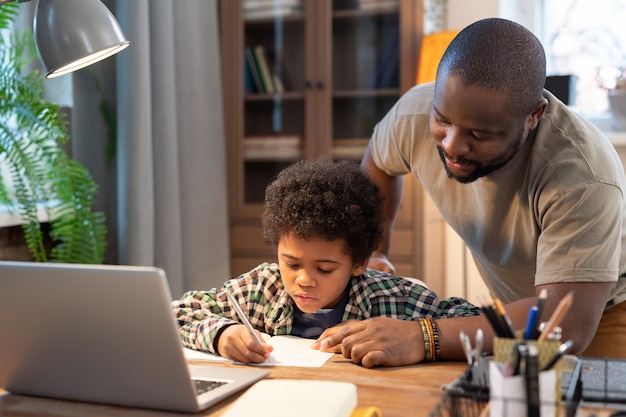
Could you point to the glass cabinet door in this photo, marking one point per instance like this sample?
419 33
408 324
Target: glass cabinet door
306 78
365 70
273 75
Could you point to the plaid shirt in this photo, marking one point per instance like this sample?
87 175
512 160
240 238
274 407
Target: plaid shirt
202 314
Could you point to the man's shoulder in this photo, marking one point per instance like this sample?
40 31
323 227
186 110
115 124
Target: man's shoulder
567 142
416 101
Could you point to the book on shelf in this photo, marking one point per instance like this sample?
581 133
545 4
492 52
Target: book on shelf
264 68
250 63
264 9
269 4
272 147
278 84
260 75
250 84
272 141
272 154
381 5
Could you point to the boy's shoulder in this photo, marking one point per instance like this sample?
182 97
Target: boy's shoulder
380 279
265 275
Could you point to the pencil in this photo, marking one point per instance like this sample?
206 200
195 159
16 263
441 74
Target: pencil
243 318
504 317
493 319
558 355
558 315
543 294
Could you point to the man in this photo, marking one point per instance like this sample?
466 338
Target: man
535 191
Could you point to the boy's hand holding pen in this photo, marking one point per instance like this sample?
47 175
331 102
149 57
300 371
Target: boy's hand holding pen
235 344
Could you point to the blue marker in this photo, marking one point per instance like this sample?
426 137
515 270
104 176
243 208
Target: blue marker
531 323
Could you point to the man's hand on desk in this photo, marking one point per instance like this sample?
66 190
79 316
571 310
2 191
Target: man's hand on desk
373 342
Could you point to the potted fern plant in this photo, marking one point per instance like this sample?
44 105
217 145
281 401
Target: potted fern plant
35 167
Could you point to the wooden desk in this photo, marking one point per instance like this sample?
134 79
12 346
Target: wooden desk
398 392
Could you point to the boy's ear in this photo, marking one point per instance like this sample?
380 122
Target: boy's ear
359 269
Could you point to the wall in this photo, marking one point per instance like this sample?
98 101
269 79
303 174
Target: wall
462 12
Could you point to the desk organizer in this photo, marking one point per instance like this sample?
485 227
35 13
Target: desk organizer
464 398
602 380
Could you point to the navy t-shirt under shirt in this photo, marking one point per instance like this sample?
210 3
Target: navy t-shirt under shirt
311 325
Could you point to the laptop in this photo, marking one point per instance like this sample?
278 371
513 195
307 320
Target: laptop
103 334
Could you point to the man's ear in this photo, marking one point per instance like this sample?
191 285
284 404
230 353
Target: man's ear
533 118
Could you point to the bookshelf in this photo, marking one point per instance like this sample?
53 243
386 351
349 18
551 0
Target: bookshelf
305 78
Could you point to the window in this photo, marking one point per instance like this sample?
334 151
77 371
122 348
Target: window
586 38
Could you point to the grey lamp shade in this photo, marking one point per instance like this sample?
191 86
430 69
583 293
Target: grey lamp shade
72 34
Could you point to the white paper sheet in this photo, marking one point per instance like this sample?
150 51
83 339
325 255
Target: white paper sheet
288 351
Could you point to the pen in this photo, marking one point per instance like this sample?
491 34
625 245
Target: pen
531 367
559 353
243 318
558 315
505 319
543 294
531 323
492 317
494 321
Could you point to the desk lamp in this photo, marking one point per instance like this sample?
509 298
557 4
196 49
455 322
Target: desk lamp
72 34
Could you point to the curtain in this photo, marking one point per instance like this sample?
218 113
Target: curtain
165 193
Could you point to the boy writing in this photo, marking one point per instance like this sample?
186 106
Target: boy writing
325 219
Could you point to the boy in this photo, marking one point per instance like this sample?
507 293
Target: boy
325 219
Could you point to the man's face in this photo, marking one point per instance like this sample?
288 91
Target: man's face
473 129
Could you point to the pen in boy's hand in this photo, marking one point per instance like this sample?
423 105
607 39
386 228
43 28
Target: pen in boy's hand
243 318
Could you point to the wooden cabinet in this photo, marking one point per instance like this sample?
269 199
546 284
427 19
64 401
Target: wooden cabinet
337 67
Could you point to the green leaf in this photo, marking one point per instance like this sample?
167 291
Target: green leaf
32 137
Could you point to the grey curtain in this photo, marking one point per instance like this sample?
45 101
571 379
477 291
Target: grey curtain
165 194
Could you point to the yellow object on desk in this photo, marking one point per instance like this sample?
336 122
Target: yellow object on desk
367 412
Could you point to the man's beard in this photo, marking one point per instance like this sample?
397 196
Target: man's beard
481 170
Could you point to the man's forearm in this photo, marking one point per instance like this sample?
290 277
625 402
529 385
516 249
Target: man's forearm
391 190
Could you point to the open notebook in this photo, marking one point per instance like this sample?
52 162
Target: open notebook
103 334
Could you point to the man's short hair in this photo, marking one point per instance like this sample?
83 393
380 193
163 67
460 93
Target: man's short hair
501 55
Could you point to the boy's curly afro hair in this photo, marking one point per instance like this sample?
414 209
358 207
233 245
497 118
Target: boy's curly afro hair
325 200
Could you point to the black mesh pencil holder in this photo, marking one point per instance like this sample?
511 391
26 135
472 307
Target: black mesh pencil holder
466 396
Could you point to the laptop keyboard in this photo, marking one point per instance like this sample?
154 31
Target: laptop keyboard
202 385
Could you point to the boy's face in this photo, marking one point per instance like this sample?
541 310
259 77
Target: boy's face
315 272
